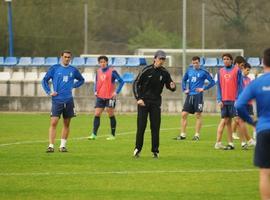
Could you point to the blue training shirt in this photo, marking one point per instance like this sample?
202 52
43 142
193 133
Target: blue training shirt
196 78
259 90
115 76
63 81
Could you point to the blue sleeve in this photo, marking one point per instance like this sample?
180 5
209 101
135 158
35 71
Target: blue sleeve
239 83
219 97
119 79
80 79
45 80
184 81
242 102
211 81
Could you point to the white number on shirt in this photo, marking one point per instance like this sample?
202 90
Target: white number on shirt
65 78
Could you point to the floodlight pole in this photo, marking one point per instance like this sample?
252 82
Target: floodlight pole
184 43
10 31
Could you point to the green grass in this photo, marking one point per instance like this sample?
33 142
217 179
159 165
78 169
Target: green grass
106 170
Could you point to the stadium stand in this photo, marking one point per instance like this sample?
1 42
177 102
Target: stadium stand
128 77
92 62
211 62
78 61
119 61
31 76
133 62
25 61
4 76
220 62
1 61
88 77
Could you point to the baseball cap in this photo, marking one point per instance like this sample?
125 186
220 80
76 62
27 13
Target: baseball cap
160 54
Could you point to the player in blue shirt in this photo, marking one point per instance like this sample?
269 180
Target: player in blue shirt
259 90
62 76
195 76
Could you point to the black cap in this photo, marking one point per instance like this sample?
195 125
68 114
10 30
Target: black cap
160 54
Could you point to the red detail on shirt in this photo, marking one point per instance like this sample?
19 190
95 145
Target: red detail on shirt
228 84
105 88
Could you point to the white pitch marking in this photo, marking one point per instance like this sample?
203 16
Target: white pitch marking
82 138
130 172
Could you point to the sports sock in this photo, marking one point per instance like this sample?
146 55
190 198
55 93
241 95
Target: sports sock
183 134
113 125
230 143
63 143
96 124
51 145
197 134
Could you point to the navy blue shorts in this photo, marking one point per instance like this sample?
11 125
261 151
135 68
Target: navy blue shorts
102 103
228 111
67 109
193 103
262 149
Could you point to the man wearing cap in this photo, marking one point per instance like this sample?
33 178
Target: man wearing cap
147 89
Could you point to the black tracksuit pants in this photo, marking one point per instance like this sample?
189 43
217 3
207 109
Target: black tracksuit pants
154 114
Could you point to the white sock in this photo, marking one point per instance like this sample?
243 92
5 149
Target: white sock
63 143
243 143
197 134
230 143
51 145
183 134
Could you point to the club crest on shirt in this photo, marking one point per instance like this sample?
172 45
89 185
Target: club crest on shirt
160 78
227 76
70 74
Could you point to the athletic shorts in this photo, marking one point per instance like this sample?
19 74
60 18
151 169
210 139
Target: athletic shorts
228 111
262 149
193 103
65 109
102 103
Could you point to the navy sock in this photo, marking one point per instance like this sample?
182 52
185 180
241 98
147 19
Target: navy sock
113 125
96 124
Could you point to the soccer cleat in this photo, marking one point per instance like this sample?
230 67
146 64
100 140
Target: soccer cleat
196 138
244 146
136 153
219 146
155 155
251 143
92 137
111 137
229 147
50 150
63 149
179 137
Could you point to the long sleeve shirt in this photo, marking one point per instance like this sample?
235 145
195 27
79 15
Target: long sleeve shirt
63 81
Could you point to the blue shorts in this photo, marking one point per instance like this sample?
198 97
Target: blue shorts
67 109
102 103
193 103
228 111
262 149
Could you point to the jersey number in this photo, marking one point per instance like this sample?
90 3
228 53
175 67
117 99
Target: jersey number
65 78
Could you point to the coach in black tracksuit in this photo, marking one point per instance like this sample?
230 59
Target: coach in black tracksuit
147 90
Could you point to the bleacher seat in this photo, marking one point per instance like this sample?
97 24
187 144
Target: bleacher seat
38 61
78 61
25 61
254 61
133 62
1 60
128 77
91 61
88 77
119 61
5 76
17 76
143 61
31 76
220 62
202 60
211 62
110 61
10 61
49 61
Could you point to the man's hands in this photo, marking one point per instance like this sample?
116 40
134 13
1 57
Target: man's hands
140 102
53 94
172 85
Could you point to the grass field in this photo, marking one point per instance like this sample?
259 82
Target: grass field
105 170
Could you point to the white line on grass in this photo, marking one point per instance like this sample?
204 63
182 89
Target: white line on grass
83 138
130 172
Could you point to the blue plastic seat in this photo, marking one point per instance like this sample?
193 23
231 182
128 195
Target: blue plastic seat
254 61
1 60
128 77
78 61
202 60
110 61
49 61
133 62
10 61
38 61
211 62
220 62
119 61
91 61
143 61
25 61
